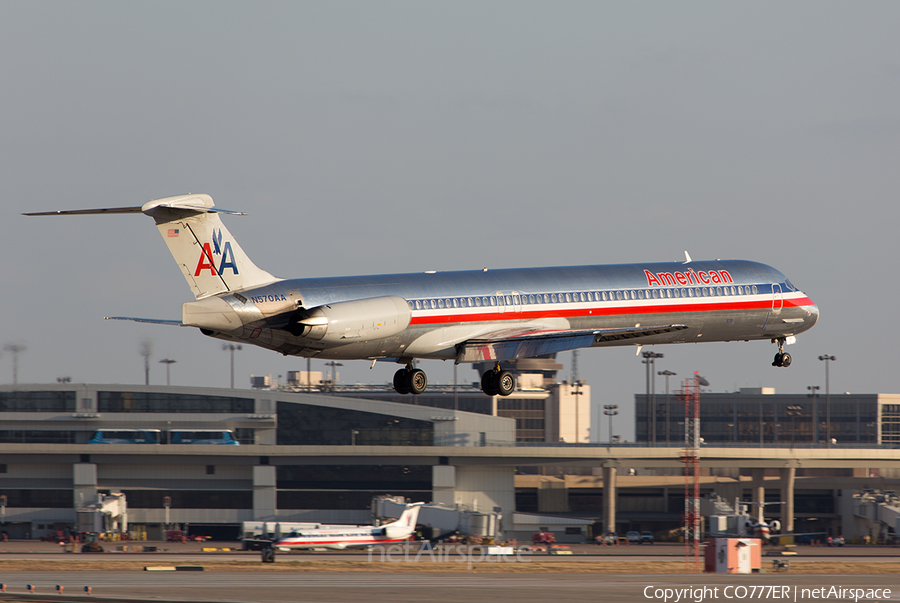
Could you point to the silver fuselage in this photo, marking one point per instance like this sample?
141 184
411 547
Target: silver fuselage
716 300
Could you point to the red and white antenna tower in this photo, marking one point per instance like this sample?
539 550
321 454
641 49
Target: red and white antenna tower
690 395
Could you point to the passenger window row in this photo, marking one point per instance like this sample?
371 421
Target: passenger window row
580 296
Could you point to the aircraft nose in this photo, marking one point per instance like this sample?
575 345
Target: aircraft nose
813 317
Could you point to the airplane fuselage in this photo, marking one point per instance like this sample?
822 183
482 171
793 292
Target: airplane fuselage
727 300
337 539
473 316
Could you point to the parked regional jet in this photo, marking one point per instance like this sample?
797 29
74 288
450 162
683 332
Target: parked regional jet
343 537
758 527
474 316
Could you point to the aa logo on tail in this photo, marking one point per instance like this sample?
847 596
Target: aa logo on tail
208 262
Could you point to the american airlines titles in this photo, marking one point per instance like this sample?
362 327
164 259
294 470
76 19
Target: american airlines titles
673 279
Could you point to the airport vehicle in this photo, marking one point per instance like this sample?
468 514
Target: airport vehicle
344 537
157 436
126 436
202 436
646 537
633 537
608 538
471 316
91 543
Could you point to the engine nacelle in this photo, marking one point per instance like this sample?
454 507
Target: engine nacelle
775 525
393 532
362 319
748 524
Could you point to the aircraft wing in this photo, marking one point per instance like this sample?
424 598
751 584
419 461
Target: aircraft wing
510 344
154 321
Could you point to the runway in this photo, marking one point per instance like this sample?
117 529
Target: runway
251 587
325 577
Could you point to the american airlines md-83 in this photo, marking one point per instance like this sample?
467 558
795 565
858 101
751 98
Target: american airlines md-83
472 316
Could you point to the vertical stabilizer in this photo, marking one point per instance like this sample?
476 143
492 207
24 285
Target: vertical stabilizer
409 517
210 259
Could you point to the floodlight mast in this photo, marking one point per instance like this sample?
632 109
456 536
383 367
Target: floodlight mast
828 358
230 347
16 349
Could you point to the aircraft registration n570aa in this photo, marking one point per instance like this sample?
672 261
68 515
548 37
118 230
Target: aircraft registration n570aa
470 316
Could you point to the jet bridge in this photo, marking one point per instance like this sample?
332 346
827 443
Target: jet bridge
441 520
109 513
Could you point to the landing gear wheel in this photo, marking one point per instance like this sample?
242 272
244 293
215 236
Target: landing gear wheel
268 555
416 381
782 359
506 383
488 384
401 381
498 383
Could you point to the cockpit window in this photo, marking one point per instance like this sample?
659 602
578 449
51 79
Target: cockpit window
790 285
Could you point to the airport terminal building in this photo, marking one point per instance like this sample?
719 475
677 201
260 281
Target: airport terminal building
323 457
762 417
291 464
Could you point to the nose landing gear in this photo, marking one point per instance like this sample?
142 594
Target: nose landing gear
782 358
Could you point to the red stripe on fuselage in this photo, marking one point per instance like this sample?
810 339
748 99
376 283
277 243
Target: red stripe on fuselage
347 542
592 311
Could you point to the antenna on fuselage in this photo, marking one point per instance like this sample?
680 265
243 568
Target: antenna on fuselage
687 257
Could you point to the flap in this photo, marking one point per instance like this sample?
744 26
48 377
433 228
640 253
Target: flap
510 344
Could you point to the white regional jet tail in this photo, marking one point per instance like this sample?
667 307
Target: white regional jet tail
210 259
406 525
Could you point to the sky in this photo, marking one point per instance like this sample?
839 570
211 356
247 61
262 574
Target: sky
393 137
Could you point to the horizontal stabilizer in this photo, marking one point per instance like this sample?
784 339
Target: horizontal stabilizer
511 345
85 212
189 205
209 258
153 321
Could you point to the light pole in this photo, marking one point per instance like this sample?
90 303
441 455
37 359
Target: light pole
146 351
167 362
16 349
576 395
827 358
333 366
813 393
667 373
231 348
649 358
610 411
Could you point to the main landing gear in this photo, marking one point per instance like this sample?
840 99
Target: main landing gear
410 380
782 358
497 382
